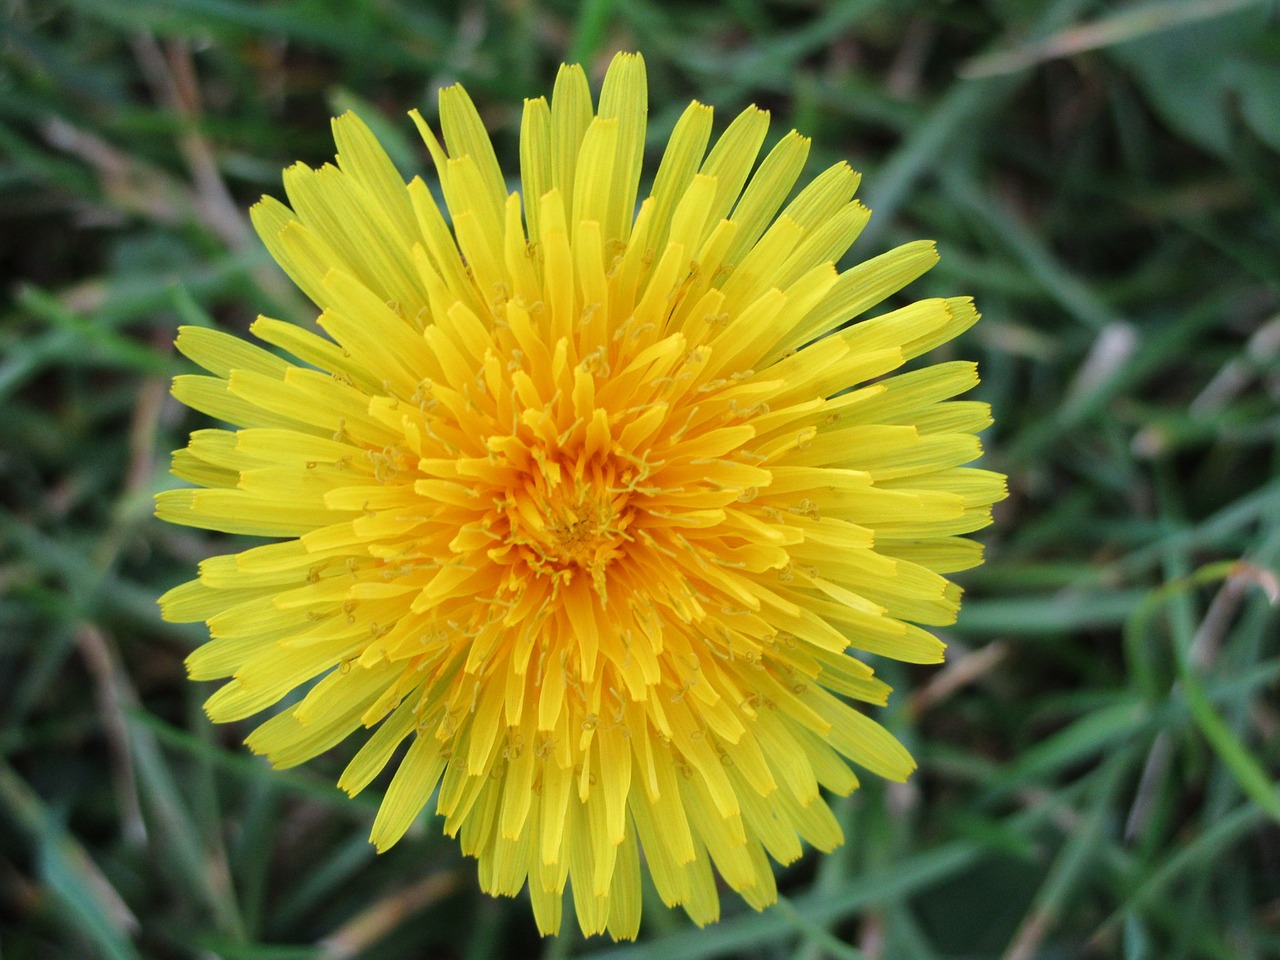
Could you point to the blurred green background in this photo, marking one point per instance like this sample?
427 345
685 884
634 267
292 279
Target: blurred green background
1098 756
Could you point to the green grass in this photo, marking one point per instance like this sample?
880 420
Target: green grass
1098 759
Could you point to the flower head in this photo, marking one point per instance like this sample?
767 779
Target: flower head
586 511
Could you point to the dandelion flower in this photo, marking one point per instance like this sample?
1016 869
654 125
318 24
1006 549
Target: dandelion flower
588 512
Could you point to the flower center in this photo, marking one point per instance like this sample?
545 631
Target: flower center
571 519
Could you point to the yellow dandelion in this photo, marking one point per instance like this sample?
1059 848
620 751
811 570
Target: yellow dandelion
590 509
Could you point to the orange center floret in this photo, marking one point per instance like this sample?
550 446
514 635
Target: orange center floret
570 517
